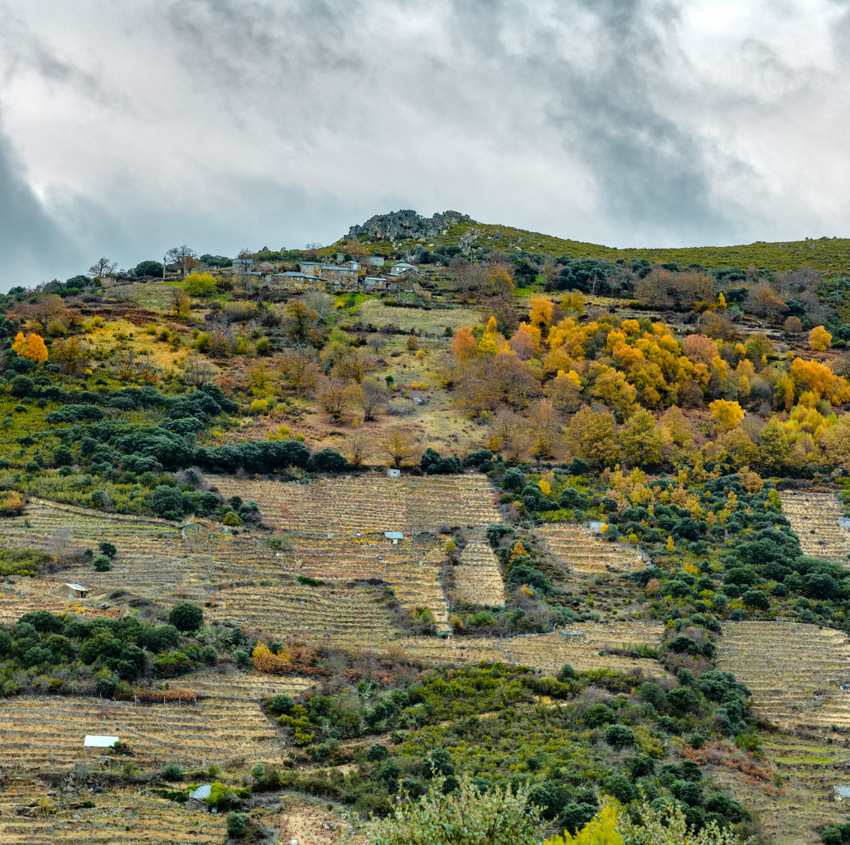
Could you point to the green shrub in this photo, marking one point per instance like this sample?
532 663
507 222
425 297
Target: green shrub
167 502
102 563
281 704
376 753
329 460
619 737
237 824
171 772
186 616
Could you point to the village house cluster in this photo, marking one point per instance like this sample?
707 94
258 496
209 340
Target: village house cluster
318 275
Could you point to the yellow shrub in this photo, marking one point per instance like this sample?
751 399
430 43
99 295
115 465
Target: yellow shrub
265 660
259 406
199 284
600 830
11 504
518 550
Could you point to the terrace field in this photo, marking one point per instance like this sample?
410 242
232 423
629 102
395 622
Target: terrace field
795 672
814 516
222 441
46 734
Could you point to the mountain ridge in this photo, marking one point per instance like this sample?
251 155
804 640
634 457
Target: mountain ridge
405 229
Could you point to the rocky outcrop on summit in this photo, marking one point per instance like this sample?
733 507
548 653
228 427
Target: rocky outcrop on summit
407 224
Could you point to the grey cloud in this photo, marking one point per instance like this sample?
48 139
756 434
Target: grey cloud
288 121
23 51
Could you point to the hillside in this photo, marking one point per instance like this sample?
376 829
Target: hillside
319 533
402 231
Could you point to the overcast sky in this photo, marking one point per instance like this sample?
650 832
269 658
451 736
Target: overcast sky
130 127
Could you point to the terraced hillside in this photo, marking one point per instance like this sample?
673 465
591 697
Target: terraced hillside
581 552
814 516
46 734
795 671
370 503
118 818
796 812
478 579
155 560
345 613
152 559
583 646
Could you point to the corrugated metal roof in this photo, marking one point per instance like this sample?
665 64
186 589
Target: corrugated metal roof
202 792
843 791
95 741
394 535
76 587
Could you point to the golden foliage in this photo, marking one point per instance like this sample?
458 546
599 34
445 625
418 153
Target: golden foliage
265 660
728 414
819 339
32 347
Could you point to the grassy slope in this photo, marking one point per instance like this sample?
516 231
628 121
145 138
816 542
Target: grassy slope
821 254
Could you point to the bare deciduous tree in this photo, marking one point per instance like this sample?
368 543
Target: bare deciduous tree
197 370
334 395
372 398
359 447
401 445
183 256
102 267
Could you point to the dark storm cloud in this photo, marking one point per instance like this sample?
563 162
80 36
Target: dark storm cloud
31 243
647 166
607 111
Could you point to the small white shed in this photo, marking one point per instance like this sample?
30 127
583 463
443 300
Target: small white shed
393 473
96 741
395 536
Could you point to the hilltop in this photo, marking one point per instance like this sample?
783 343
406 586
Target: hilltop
404 230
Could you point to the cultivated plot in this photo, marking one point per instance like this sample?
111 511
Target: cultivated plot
815 518
796 672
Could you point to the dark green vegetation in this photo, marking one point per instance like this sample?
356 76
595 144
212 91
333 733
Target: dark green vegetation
572 739
44 653
725 549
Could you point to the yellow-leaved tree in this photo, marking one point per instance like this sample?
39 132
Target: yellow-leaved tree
32 347
819 339
728 414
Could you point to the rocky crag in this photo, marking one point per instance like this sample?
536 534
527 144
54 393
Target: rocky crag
398 225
